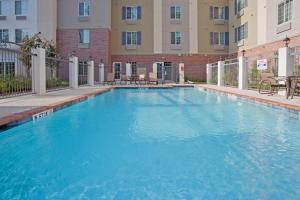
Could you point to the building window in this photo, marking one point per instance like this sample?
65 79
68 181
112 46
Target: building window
175 12
3 7
219 12
84 36
20 35
82 68
84 8
219 38
131 12
241 32
239 5
7 68
285 11
176 38
131 38
4 36
20 7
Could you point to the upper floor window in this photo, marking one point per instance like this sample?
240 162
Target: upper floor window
219 12
239 5
84 36
20 35
176 38
84 8
241 32
4 7
175 12
285 11
219 38
131 38
20 7
4 36
131 12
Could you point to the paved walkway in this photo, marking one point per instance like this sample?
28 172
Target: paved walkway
277 100
16 108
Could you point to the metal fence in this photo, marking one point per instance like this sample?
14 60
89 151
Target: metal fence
231 72
214 79
53 63
255 75
83 73
15 71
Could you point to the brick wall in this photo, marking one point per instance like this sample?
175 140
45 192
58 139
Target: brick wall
99 48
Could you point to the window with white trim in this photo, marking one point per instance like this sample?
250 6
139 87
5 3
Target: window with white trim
4 35
241 32
21 7
175 12
285 11
131 38
4 7
20 35
133 68
219 38
131 13
84 36
84 8
240 5
176 38
82 68
219 12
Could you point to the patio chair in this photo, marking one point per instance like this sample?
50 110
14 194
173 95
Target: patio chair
110 79
124 79
295 86
142 75
153 78
271 84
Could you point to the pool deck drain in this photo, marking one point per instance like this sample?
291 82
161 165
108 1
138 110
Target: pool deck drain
17 110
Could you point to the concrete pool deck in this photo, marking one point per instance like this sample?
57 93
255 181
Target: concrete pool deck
275 100
17 110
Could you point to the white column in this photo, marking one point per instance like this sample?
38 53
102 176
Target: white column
154 68
101 73
286 62
128 69
181 73
208 73
243 73
73 72
91 73
221 73
39 71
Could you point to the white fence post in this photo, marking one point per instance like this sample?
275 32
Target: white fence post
39 71
221 73
181 73
91 73
208 73
73 72
286 62
243 73
101 73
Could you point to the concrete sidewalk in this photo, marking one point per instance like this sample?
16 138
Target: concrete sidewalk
276 100
16 108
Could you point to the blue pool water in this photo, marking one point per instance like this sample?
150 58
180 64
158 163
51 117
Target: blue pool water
154 144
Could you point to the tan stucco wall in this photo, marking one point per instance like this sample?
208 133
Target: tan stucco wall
47 18
168 27
250 16
68 18
205 26
145 25
272 23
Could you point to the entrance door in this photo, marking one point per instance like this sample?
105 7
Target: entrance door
168 71
159 71
117 70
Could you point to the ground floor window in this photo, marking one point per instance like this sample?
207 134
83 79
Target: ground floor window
133 68
7 68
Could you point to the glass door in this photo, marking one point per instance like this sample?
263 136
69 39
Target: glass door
117 71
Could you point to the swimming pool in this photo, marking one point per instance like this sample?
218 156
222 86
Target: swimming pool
154 144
